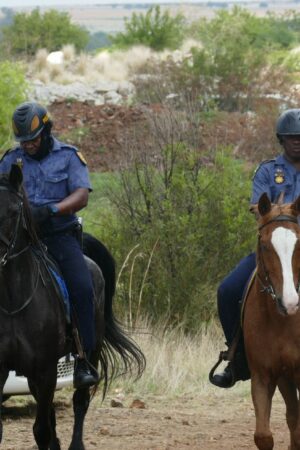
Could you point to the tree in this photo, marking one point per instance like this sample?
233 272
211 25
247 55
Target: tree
154 29
235 48
50 30
12 92
182 220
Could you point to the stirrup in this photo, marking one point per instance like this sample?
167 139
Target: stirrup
223 356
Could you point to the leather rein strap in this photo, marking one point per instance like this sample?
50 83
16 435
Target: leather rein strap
281 218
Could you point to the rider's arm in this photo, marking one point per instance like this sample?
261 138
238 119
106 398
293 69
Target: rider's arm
261 183
74 202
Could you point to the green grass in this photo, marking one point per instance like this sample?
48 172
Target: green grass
100 212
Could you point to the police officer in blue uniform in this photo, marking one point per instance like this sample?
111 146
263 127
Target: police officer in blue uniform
273 177
57 184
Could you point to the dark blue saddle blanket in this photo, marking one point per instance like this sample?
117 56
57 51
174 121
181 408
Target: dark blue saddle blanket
57 278
63 290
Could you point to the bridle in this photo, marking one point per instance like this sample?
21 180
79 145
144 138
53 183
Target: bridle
11 254
267 285
11 243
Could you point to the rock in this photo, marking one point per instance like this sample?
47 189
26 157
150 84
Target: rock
126 88
116 403
113 98
55 58
51 92
105 86
137 403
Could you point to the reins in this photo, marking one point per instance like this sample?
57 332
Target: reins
11 243
28 301
10 246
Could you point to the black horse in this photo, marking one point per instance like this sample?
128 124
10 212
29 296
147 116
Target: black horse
33 320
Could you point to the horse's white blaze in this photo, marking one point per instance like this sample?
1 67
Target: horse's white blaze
284 241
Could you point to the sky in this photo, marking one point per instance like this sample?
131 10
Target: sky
49 3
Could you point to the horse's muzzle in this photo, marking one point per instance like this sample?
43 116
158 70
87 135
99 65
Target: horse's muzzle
288 310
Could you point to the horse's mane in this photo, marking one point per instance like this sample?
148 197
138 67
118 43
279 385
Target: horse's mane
28 219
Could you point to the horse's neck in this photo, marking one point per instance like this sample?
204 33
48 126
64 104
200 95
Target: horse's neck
18 279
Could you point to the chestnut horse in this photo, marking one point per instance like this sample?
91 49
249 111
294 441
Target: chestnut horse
272 319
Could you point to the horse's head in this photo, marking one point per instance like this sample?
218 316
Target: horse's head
278 253
12 221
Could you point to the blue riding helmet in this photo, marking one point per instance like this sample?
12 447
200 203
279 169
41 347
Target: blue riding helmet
288 123
28 121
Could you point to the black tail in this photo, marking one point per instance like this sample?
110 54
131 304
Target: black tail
115 339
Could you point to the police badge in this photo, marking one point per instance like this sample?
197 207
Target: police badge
279 176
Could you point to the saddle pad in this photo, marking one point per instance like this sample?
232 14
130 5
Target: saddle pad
58 281
63 290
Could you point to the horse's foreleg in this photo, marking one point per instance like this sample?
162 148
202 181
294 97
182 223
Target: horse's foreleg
44 425
81 401
3 378
262 393
289 393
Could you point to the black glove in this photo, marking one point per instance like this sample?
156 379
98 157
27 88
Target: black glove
40 214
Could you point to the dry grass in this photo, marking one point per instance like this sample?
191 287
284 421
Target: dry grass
177 363
116 66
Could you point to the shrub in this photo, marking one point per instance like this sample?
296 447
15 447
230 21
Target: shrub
154 29
51 30
182 223
12 92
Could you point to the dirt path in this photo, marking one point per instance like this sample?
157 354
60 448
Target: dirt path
213 421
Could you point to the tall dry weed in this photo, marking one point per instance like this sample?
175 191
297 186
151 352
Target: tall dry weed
177 363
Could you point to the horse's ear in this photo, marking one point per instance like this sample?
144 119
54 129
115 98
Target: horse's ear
15 176
296 205
264 204
280 198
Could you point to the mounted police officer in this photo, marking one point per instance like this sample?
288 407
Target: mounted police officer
273 177
57 184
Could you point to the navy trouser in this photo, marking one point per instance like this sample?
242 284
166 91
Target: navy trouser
66 251
230 293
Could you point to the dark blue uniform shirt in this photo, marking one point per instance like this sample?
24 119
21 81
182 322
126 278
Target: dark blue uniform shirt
275 176
51 179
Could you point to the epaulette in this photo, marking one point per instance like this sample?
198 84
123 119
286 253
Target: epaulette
5 153
266 161
77 152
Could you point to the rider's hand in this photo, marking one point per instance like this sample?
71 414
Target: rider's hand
40 214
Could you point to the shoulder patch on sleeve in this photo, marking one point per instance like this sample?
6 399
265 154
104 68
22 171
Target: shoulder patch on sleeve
77 153
266 161
81 157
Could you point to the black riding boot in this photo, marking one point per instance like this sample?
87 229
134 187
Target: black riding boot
85 375
236 370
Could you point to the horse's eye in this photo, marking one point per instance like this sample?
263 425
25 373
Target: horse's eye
265 247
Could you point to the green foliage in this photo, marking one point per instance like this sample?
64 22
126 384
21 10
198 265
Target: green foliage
270 31
155 29
98 40
12 92
180 229
232 58
240 60
51 30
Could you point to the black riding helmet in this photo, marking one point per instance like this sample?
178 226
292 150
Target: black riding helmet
288 123
28 120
